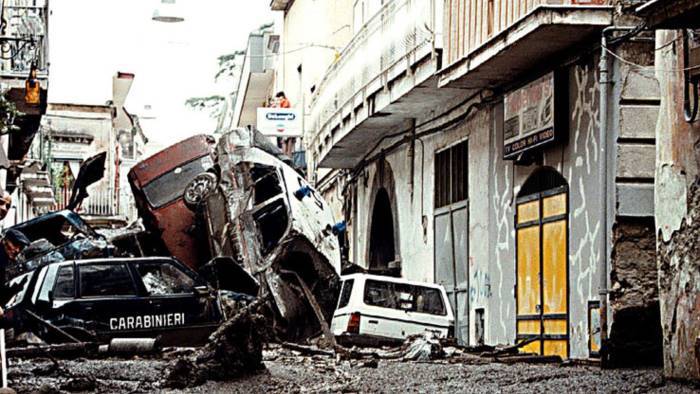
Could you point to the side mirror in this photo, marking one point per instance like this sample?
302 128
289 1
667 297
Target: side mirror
201 291
51 297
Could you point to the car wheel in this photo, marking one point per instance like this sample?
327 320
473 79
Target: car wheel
198 189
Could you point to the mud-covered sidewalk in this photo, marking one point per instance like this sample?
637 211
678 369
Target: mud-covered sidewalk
289 371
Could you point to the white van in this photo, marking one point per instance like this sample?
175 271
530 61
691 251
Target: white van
380 309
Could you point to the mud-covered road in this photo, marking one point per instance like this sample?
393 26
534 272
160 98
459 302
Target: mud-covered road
290 372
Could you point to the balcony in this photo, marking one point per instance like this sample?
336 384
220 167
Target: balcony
493 42
383 79
257 72
661 14
25 40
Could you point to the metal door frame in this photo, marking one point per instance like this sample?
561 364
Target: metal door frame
455 290
540 223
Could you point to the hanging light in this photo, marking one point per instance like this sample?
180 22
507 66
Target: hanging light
167 11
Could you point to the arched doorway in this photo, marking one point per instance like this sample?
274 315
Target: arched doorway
381 239
383 231
541 266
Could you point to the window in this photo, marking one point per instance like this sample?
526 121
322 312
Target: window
272 221
165 279
65 283
47 284
267 183
404 297
105 280
170 186
345 293
451 175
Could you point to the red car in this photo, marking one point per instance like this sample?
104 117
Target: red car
158 184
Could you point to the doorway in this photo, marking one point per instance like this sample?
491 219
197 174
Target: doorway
381 240
542 272
451 231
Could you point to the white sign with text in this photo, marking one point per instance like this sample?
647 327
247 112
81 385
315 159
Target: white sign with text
280 122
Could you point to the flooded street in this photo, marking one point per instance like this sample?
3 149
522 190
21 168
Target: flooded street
287 372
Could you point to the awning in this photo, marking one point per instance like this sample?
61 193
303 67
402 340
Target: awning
664 14
526 45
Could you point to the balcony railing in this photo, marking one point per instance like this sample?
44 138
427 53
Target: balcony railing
401 30
471 23
100 202
25 38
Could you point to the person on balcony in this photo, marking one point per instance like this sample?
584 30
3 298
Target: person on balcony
282 101
286 144
32 88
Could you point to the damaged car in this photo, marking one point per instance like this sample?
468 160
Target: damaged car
100 299
64 235
158 184
375 309
268 231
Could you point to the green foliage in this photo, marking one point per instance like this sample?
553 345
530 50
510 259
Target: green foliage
212 104
229 64
8 113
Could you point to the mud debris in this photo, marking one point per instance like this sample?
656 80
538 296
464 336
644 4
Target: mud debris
233 350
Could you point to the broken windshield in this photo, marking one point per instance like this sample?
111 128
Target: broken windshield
164 279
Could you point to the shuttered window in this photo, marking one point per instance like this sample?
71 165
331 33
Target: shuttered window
451 175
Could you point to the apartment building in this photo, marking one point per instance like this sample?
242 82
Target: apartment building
504 149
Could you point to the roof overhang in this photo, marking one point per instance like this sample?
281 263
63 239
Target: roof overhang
543 33
664 14
256 93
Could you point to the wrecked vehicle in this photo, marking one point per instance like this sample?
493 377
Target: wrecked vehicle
64 235
59 236
101 299
269 232
378 309
158 183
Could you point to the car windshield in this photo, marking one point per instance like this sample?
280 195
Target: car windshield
17 298
170 186
405 297
164 279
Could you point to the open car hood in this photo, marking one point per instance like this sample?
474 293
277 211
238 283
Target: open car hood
91 171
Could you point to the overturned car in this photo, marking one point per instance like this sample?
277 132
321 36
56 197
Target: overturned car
269 232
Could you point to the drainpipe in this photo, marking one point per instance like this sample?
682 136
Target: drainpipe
604 82
411 156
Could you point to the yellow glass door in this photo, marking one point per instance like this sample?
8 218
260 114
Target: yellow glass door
542 272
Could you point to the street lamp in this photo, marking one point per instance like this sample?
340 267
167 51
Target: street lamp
167 12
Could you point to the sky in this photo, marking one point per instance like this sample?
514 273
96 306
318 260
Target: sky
90 40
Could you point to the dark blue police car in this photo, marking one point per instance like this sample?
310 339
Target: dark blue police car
101 299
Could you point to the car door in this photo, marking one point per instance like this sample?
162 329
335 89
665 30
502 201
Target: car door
176 295
107 299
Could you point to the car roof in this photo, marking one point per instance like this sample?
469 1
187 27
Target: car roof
109 260
67 214
390 279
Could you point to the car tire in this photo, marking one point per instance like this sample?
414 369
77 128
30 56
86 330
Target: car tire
198 189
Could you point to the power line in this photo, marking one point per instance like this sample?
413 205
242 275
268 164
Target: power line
631 63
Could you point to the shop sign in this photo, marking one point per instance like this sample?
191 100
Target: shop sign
279 122
529 117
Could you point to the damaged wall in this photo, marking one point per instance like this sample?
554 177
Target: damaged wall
633 280
677 202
